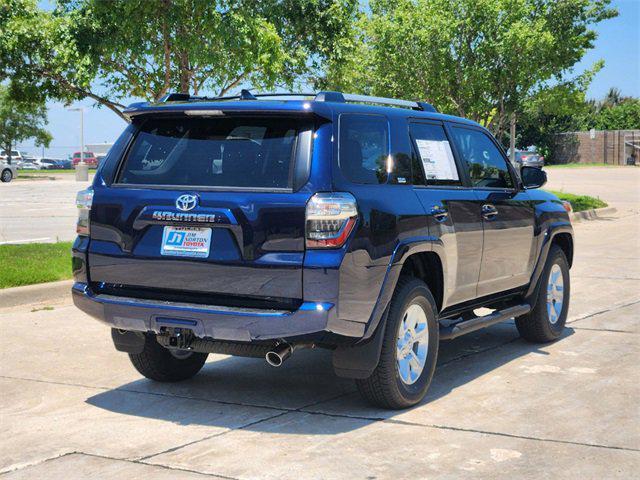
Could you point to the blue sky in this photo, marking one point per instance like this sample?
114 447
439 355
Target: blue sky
618 44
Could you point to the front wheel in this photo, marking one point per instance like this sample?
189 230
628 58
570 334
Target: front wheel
409 349
164 365
546 321
6 175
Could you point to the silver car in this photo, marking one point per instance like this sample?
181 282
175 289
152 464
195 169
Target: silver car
7 172
529 159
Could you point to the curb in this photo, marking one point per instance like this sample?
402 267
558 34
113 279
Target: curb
593 214
41 292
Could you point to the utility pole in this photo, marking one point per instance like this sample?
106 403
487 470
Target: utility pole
82 170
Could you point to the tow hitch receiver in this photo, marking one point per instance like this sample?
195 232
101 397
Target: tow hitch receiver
175 337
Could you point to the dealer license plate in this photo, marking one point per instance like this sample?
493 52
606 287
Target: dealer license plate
186 242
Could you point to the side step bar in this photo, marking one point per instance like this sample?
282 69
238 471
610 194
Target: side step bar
467 326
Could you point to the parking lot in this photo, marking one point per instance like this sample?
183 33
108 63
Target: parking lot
39 210
72 407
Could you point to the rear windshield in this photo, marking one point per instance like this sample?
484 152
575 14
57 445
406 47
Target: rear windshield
213 152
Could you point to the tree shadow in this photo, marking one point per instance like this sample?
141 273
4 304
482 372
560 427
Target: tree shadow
229 388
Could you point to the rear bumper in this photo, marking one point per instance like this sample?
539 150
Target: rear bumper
211 321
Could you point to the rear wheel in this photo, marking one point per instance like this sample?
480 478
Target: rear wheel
546 321
409 349
164 365
6 175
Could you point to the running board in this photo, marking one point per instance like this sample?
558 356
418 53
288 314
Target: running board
467 326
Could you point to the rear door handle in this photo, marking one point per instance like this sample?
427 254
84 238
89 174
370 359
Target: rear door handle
489 211
439 212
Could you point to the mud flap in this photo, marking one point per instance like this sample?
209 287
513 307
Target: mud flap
360 360
126 341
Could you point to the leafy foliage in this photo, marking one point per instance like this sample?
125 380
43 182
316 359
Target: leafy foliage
481 59
21 120
110 50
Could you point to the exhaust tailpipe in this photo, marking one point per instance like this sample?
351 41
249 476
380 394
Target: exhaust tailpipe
279 354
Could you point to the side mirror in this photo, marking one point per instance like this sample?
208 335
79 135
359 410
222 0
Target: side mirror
533 177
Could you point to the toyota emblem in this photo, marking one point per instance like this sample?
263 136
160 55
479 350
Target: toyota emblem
186 202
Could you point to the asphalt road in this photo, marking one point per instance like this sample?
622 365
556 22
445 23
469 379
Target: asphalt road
72 407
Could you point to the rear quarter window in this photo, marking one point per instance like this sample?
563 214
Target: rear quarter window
364 148
213 152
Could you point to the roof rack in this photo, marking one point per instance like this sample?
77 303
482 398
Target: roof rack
352 97
325 96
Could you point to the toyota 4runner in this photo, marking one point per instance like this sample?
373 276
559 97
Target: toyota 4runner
260 225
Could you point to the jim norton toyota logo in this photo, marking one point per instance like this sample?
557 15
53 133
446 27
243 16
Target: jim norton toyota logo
186 202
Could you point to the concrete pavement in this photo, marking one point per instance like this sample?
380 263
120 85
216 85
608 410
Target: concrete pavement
618 186
72 407
42 211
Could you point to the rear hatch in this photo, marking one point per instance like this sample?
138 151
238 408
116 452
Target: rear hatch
206 210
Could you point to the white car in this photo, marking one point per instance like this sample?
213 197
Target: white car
27 165
16 156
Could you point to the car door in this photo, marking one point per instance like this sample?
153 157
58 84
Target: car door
452 210
507 212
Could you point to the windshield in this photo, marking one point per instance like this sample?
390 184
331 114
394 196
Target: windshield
225 152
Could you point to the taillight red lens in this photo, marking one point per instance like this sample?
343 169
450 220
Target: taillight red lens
330 218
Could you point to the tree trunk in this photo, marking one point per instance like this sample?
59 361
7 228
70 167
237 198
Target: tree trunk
7 150
167 49
512 138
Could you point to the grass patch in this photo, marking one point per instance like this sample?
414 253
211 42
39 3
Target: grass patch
34 263
580 202
581 165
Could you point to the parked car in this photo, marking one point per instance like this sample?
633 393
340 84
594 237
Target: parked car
7 172
27 164
51 163
529 159
16 156
65 164
89 158
258 227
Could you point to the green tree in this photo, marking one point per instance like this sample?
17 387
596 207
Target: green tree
482 59
20 121
110 50
624 115
554 110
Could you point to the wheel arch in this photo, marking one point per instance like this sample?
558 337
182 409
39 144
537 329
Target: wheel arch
564 240
426 266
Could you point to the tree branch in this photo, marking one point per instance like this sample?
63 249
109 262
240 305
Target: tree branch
113 106
233 84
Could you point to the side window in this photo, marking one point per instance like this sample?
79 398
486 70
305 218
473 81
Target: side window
435 165
486 166
364 148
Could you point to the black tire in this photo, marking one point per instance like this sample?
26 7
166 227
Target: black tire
157 363
6 176
385 387
537 326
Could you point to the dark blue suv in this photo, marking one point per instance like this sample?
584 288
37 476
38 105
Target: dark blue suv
259 225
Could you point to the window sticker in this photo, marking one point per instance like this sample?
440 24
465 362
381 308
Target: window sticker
437 158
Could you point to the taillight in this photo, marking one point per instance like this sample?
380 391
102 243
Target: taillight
330 218
84 199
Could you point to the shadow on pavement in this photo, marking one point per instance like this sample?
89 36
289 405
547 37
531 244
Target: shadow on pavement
305 381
